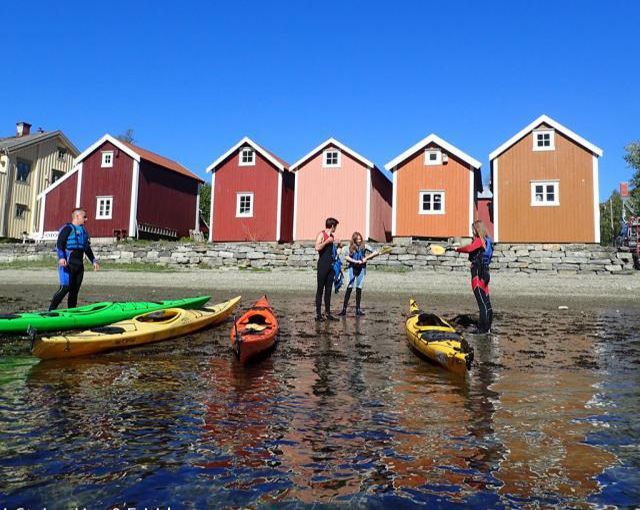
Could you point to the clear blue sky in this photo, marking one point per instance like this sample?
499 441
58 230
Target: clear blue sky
192 79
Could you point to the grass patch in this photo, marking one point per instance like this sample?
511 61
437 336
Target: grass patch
255 269
390 269
104 266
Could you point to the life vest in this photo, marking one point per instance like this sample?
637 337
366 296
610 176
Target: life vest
78 237
338 278
358 254
487 255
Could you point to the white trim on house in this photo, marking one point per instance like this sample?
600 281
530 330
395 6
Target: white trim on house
555 183
79 186
239 196
279 210
544 119
542 148
43 204
433 193
342 147
367 208
108 199
433 138
295 205
106 160
252 160
59 181
325 158
133 211
112 140
471 199
432 162
394 202
197 224
213 194
496 210
596 200
249 141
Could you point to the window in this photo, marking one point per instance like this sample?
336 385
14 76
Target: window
23 170
545 193
431 202
21 211
244 205
544 140
107 159
247 157
331 158
104 208
62 152
55 175
433 157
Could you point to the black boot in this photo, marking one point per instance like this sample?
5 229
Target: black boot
358 301
347 295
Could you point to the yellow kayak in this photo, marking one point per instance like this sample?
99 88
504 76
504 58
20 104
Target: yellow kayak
142 329
436 339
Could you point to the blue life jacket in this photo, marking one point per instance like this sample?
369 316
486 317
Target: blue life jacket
357 255
488 251
338 279
78 237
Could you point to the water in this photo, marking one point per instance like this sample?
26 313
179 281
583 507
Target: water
340 414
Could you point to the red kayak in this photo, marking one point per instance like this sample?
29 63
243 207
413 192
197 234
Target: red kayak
254 332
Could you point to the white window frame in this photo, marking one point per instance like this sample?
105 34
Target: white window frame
437 161
552 139
326 164
422 193
105 163
239 197
247 163
104 217
556 185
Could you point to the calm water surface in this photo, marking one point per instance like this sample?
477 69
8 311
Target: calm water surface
341 414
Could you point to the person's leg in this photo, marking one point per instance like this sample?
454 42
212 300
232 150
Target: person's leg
320 288
359 286
482 309
328 286
487 279
76 274
63 277
347 296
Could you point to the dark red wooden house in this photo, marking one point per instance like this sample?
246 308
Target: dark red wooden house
127 191
252 193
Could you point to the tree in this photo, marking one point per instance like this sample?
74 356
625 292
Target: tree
632 157
127 136
205 201
610 216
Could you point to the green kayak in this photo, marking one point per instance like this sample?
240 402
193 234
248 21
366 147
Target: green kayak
97 314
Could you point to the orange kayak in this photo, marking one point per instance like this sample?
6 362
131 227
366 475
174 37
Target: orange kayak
254 332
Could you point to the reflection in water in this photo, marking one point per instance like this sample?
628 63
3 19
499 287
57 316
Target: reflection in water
340 412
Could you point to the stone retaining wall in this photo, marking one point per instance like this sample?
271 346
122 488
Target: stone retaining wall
529 258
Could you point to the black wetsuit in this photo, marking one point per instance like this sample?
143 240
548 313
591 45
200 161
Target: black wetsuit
326 276
71 276
480 279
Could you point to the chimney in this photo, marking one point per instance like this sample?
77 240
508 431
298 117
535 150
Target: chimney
624 189
22 129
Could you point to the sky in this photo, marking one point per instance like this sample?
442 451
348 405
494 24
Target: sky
192 78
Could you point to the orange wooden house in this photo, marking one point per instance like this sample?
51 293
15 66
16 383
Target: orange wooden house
434 190
544 181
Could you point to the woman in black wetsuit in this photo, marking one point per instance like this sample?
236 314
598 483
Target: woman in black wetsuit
480 276
324 246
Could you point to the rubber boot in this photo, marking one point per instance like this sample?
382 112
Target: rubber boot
347 296
358 301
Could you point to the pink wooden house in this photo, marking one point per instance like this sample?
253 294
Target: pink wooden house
335 181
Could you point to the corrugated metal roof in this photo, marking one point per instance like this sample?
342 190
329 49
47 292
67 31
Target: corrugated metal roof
12 142
161 161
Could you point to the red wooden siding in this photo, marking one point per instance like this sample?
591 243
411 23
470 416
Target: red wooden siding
380 215
99 182
231 179
166 199
286 213
60 201
484 214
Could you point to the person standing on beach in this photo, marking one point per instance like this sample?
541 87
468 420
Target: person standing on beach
357 255
480 251
72 245
325 242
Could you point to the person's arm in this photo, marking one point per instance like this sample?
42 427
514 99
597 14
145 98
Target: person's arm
321 242
61 245
372 253
476 244
89 253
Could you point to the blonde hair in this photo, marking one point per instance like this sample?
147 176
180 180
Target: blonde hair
480 230
352 245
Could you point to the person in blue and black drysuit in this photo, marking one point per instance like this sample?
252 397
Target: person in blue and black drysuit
73 244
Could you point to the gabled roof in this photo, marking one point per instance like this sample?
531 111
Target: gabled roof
433 138
544 119
279 163
138 153
336 143
13 143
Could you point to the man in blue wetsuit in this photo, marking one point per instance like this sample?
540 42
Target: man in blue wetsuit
73 243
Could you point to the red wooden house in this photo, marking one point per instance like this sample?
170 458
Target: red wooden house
252 193
127 191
